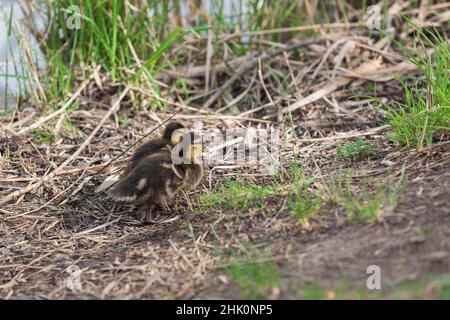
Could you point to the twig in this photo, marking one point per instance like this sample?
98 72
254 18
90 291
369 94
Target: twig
96 228
199 71
254 62
209 54
293 29
261 78
365 68
345 136
46 178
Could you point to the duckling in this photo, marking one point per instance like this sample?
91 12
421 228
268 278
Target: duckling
158 177
170 137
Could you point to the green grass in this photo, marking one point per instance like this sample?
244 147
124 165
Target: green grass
364 206
355 150
254 272
313 291
303 202
433 286
238 196
113 35
121 36
427 106
43 136
305 205
131 45
367 202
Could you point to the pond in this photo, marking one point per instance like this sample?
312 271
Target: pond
14 78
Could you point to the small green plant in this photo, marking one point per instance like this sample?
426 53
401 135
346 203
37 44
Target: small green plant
355 150
255 273
364 204
305 204
123 121
6 112
364 207
427 106
420 235
236 195
314 291
180 84
43 136
443 288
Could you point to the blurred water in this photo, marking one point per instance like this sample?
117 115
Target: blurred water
13 71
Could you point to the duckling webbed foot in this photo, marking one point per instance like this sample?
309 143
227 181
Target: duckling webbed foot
148 217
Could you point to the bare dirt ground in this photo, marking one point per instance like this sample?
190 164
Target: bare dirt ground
119 257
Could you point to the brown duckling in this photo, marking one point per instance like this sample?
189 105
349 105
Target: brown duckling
158 177
171 136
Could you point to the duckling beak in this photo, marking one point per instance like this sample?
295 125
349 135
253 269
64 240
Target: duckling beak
177 136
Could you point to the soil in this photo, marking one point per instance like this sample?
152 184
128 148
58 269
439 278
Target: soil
119 257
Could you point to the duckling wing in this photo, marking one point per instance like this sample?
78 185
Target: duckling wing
152 179
125 189
148 148
134 183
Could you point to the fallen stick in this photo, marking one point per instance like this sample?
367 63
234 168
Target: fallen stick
96 228
199 71
254 62
366 68
315 27
55 172
90 169
345 136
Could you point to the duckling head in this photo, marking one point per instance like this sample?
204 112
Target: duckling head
173 132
